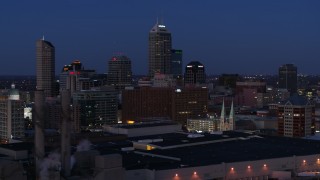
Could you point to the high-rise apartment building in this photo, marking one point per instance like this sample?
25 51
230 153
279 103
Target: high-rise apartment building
11 119
45 53
176 63
194 73
119 72
296 117
288 77
159 50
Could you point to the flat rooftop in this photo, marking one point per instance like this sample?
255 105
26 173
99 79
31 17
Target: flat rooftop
173 139
143 125
18 146
243 148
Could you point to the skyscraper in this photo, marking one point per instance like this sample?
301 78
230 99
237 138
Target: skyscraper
288 77
159 50
176 63
194 74
45 67
119 72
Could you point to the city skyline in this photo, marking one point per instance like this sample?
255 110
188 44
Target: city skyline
245 37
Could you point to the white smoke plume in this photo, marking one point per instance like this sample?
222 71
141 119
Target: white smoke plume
84 145
50 163
72 161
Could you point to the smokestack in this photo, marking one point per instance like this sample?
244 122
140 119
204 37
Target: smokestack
65 135
39 128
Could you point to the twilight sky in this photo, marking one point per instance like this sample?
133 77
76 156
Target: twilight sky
227 36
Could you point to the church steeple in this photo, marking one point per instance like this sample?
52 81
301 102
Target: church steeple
222 117
231 118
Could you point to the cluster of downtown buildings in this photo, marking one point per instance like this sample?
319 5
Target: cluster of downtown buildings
150 119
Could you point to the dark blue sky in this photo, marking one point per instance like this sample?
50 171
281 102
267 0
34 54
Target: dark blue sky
227 36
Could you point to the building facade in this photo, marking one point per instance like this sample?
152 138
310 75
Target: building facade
11 119
95 108
176 104
45 60
247 93
191 102
75 78
159 50
296 117
146 102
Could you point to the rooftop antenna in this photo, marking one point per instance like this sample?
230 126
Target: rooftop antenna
42 37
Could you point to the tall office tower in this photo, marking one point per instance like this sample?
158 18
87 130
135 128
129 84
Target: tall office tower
119 72
176 63
45 67
194 74
159 50
68 70
288 77
296 117
75 78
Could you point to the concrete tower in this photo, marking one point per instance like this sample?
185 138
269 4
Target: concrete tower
39 116
159 50
65 135
45 67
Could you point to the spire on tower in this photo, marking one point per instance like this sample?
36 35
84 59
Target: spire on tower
231 115
231 118
222 110
222 117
